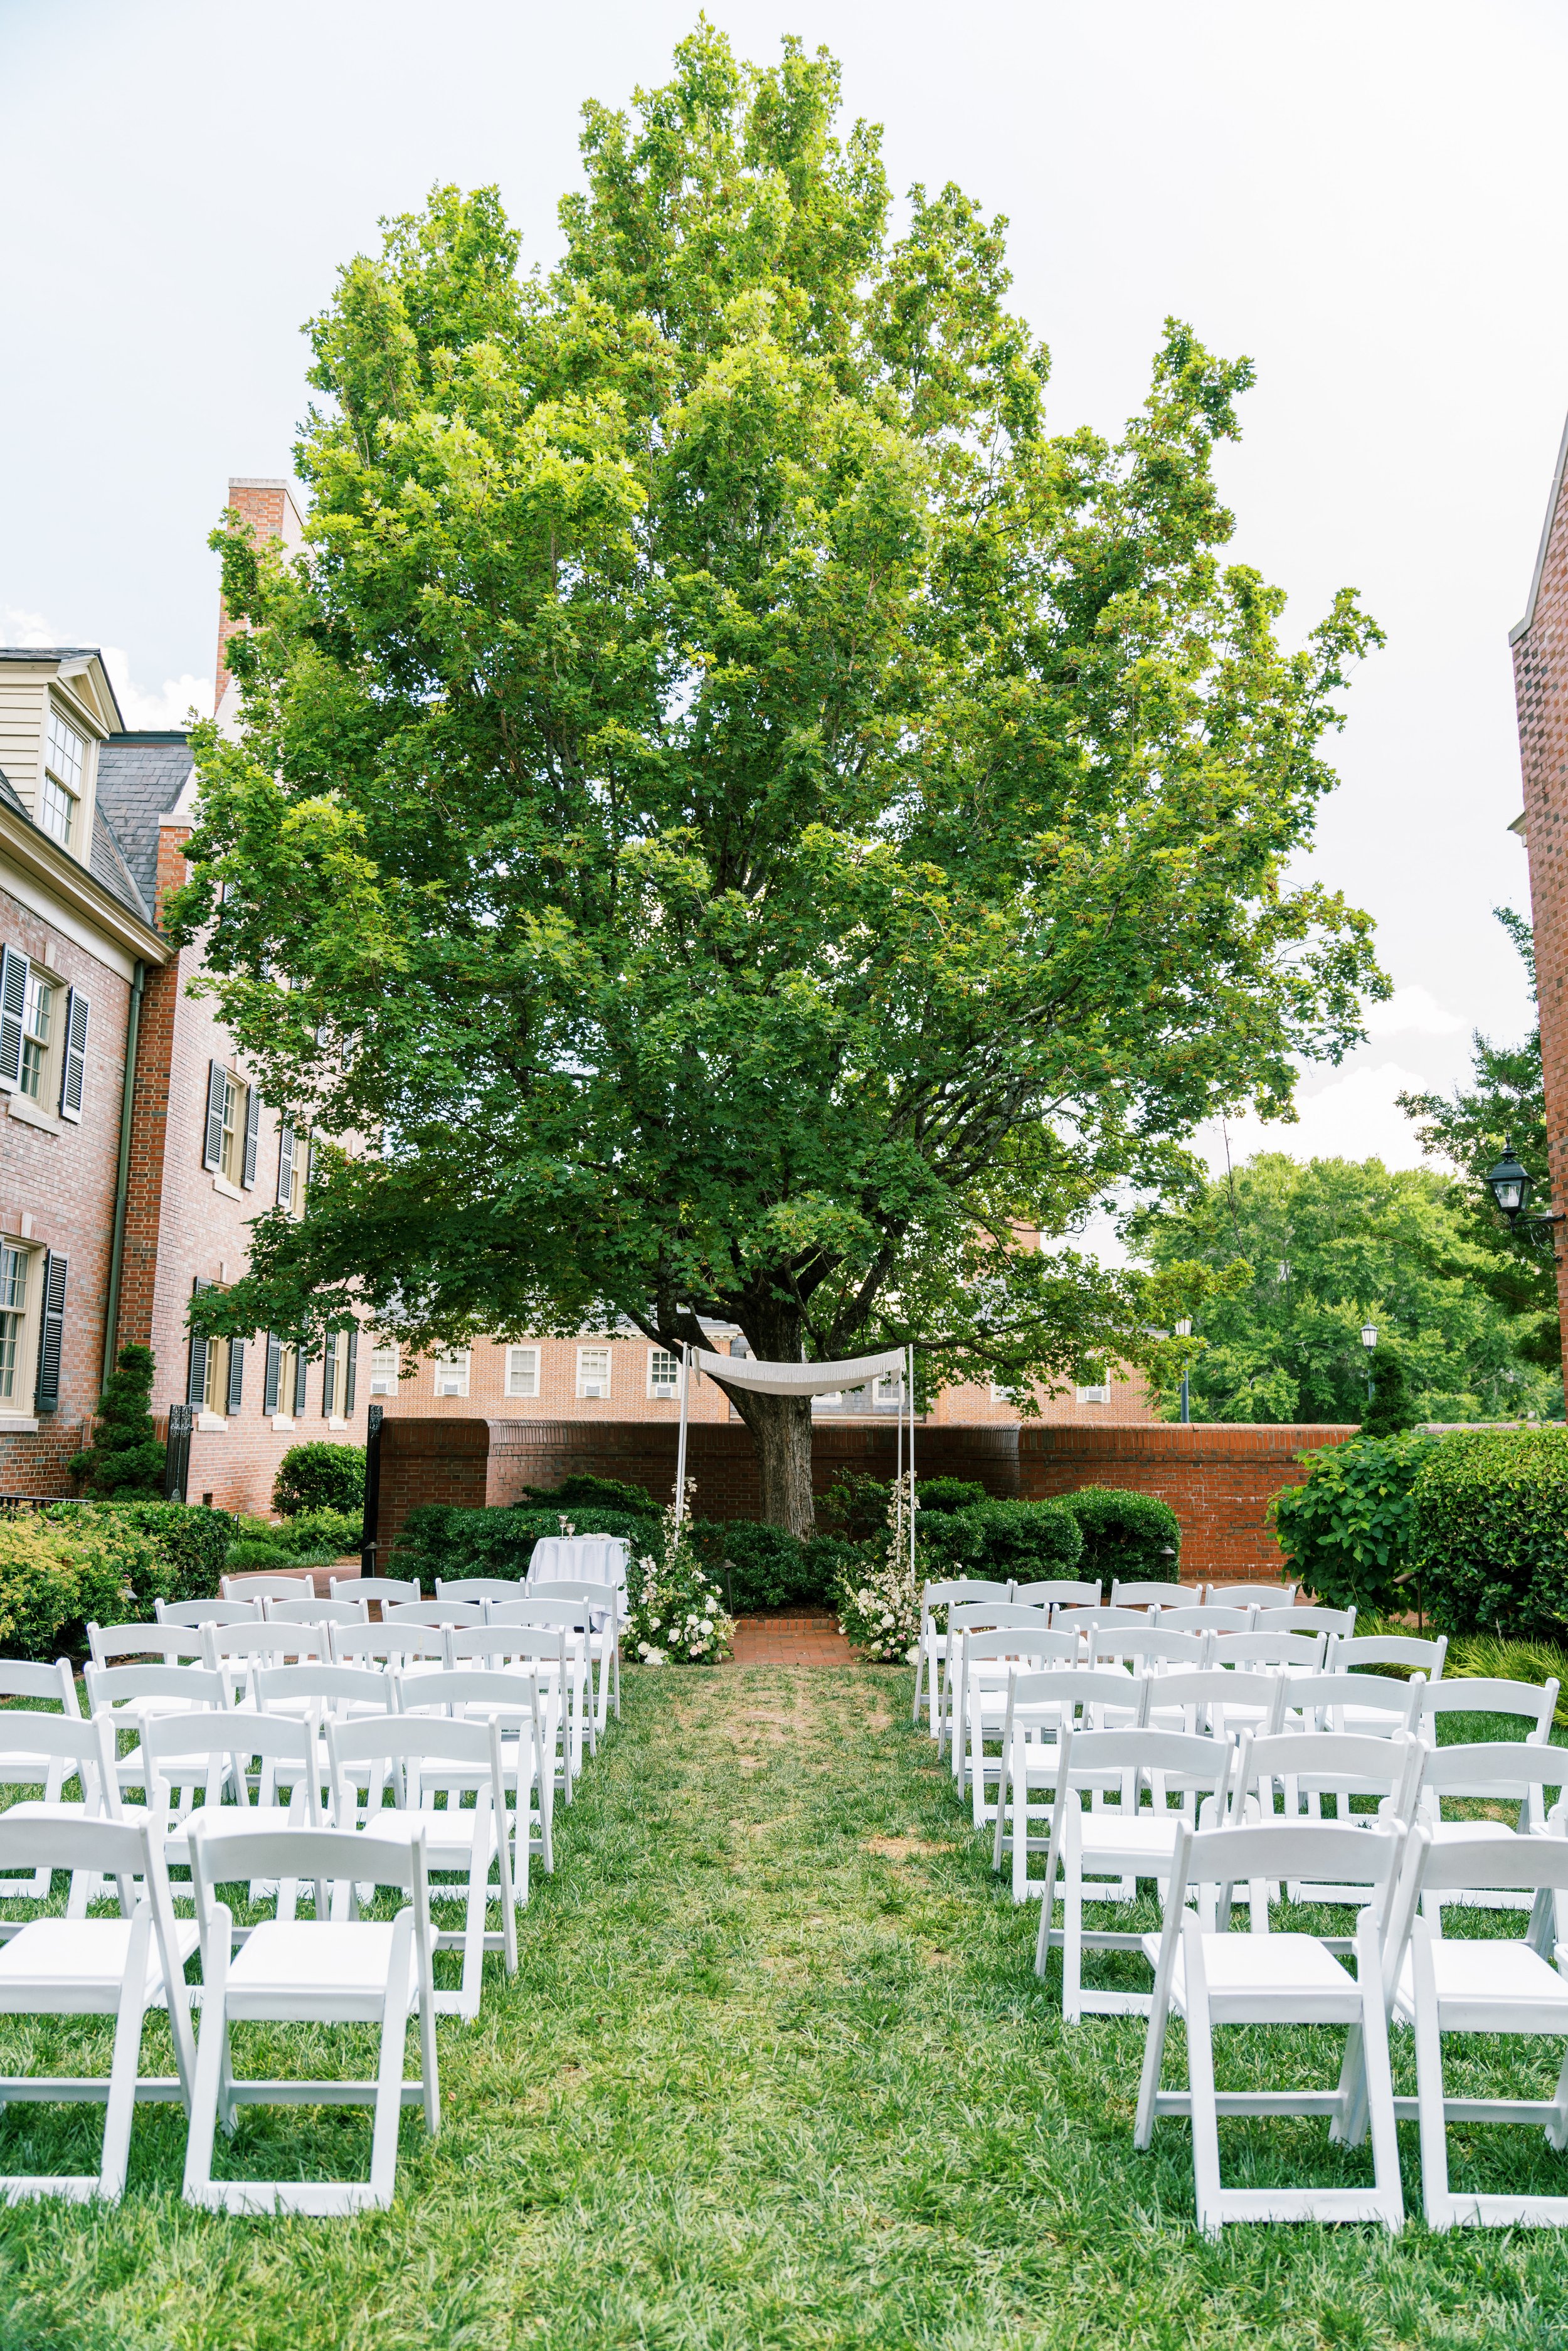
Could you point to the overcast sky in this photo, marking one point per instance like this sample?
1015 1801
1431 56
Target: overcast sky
1367 198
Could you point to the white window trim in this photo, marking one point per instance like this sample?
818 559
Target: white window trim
522 1394
584 1378
1098 1392
379 1379
459 1363
16 1412
668 1390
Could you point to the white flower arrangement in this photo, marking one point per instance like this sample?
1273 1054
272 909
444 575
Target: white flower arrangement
675 1598
879 1611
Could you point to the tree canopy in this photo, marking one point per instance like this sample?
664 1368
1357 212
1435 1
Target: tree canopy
1333 1244
732 817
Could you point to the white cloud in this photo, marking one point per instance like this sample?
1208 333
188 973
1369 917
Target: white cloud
1354 1116
1414 1013
141 709
26 629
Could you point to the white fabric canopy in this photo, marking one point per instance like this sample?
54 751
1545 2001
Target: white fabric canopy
799 1379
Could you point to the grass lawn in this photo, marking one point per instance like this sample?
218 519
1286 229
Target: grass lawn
776 2071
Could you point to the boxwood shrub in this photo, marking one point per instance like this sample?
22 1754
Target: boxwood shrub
998 1539
172 1550
1349 1529
1490 1532
439 1539
1124 1533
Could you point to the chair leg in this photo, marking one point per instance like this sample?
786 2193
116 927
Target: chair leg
1201 2077
1376 2076
121 2105
211 2053
1073 1921
389 2071
1437 2201
919 1670
1002 1789
1557 2130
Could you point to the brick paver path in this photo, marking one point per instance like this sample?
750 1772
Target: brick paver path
785 1640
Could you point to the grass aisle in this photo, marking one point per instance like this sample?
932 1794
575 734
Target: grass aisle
776 2072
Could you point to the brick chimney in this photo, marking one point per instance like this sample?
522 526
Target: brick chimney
272 511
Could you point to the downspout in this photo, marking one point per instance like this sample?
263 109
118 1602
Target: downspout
122 1178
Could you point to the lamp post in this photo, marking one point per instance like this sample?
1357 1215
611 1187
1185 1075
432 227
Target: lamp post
1184 1331
1369 1341
1509 1186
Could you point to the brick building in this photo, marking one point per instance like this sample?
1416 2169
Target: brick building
1540 644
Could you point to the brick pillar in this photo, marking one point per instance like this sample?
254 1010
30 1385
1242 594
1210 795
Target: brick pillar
1541 692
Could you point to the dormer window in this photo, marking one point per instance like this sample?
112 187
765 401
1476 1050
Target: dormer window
64 753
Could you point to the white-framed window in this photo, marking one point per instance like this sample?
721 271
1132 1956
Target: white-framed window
231 1149
593 1371
888 1393
663 1372
13 1318
383 1370
1096 1391
39 1016
522 1371
64 751
452 1373
1000 1393
215 1379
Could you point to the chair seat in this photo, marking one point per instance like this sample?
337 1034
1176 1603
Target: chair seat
449 1836
67 1956
218 1821
1477 1979
290 1962
1270 1966
1106 1836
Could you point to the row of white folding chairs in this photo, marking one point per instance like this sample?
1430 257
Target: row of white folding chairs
1398 1868
332 1969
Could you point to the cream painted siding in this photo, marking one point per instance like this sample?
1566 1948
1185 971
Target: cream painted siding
22 701
26 694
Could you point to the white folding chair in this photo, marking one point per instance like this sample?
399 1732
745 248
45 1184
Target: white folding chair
159 1643
45 1686
1155 1593
1209 1617
1148 1648
191 1613
931 1646
973 1617
572 1620
1212 1976
383 1590
321 1970
391 1649
990 1661
515 1655
50 1751
1254 1595
1224 1702
1501 1772
436 1755
1056 1591
1287 1653
1533 1704
210 1752
1307 1766
135 1695
1338 1622
266 1586
1479 1985
314 1612
1040 1706
511 1699
96 1967
603 1640
238 1651
1126 1842
1368 1705
1417 1656
480 1588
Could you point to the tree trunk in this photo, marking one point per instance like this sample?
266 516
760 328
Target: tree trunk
782 1430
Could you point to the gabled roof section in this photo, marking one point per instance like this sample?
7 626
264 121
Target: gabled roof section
1520 627
107 864
140 776
80 669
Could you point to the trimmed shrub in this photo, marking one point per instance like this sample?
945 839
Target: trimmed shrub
1491 1533
1126 1534
320 1477
169 1550
125 1457
766 1567
1392 1410
333 1532
1348 1530
54 1579
947 1493
251 1558
1026 1540
438 1539
582 1492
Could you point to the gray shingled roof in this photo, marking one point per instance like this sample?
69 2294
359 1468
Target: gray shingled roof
106 861
10 795
140 778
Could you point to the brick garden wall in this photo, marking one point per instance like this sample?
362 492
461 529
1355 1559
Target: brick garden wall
1216 1479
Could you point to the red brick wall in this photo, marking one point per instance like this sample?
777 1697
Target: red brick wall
56 1189
1216 1479
1540 692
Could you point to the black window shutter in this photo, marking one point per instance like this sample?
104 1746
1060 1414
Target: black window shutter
351 1377
300 1368
74 1072
252 1137
329 1372
212 1150
197 1383
311 1163
284 1165
14 970
51 1333
274 1365
236 1375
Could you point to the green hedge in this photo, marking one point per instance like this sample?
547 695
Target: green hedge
185 1544
78 1562
1026 1541
439 1539
1124 1533
1348 1530
1490 1532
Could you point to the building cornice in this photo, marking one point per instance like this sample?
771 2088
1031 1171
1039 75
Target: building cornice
21 841
1520 627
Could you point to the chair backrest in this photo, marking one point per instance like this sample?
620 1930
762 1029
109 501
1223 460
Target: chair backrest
574 1615
604 1599
1056 1591
1503 1769
112 1644
1218 1702
1155 1593
1254 1595
1079 1689
1310 1852
1470 1864
117 1685
959 1591
331 1687
385 1645
1150 1645
233 1735
1302 1652
1043 1646
85 1748
434 1611
542 1647
273 1639
206 1611
1338 1621
416 1747
1392 1649
1085 1620
264 1587
1208 1619
55 1683
1336 1763
471 1691
1185 1761
328 1856
1324 1697
480 1588
1531 1702
314 1612
986 1616
366 1588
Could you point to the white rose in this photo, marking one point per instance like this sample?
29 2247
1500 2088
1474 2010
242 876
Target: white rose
652 1623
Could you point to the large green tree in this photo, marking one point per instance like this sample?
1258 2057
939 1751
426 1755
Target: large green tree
1333 1244
732 818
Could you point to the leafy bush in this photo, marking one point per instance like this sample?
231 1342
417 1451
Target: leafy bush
949 1493
1026 1540
125 1457
584 1492
169 1550
1489 1531
439 1539
333 1532
1348 1530
250 1558
766 1567
320 1477
856 1505
54 1579
1126 1534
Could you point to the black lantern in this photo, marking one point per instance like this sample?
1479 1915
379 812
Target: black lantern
1508 1185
